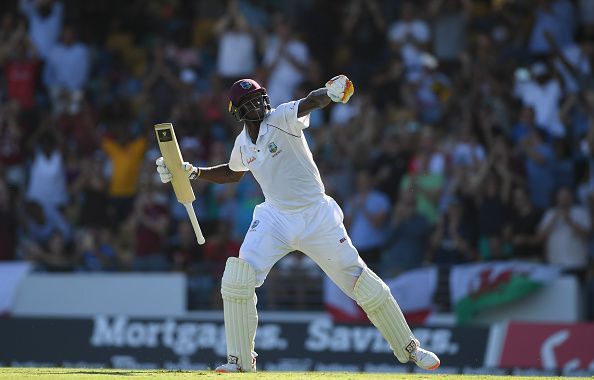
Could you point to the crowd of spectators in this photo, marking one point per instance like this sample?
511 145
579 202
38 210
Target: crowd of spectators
470 136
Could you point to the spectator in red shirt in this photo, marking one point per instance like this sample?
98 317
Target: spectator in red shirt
21 74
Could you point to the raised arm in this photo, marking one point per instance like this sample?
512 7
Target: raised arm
338 89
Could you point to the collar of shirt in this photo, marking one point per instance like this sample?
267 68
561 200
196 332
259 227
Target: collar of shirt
263 130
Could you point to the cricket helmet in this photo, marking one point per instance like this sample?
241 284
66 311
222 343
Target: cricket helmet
245 96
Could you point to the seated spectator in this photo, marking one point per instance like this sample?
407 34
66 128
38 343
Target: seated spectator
565 230
521 228
366 214
66 73
408 238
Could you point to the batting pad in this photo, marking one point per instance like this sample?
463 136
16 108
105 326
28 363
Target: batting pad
374 296
238 289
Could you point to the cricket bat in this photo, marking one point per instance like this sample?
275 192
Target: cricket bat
180 181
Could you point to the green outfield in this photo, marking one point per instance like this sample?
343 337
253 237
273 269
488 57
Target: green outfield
107 374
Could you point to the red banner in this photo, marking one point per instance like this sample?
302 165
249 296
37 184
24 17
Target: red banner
549 346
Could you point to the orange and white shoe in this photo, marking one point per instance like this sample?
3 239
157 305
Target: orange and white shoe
425 359
228 368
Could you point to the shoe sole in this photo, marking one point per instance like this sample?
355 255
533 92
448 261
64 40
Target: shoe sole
434 367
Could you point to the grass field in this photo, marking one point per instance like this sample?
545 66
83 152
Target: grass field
109 374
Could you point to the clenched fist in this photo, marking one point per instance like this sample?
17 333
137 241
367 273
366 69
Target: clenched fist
340 89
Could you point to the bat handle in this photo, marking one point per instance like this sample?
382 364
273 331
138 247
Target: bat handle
194 220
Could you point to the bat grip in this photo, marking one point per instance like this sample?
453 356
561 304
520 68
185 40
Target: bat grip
194 220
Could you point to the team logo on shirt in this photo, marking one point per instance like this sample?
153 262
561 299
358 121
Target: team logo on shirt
254 224
272 148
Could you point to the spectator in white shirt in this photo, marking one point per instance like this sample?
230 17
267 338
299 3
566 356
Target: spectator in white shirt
67 72
543 93
565 229
45 23
409 35
237 45
286 59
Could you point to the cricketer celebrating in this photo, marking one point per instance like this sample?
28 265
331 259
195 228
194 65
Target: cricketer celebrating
296 215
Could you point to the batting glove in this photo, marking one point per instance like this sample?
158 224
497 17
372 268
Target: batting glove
166 175
340 89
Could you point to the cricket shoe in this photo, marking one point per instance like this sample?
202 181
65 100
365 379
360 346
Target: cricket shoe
233 368
228 368
425 359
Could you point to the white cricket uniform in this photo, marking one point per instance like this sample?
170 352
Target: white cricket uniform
296 213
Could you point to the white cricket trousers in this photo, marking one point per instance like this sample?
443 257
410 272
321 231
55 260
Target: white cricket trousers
317 231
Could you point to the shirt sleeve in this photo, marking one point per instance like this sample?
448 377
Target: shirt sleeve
286 119
236 160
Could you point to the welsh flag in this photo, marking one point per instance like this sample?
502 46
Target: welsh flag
413 290
477 287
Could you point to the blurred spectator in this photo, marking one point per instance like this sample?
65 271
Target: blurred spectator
21 68
450 243
160 83
52 257
426 186
66 73
365 218
126 154
556 17
449 30
12 152
41 222
8 223
150 220
408 238
96 251
237 45
539 162
285 61
47 173
391 163
364 32
45 23
492 214
409 35
90 187
521 227
543 93
565 229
